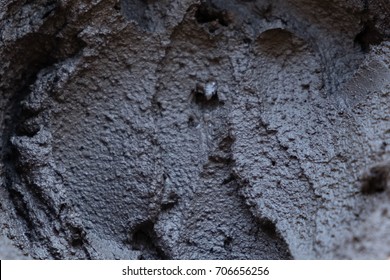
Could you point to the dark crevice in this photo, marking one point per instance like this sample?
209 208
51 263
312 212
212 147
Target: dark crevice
77 236
167 206
191 121
376 179
12 125
170 202
247 41
199 97
227 243
269 228
228 180
207 12
374 29
144 239
226 143
201 100
369 36
32 53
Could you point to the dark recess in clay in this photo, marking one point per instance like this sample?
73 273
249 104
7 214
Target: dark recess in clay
208 12
369 36
144 239
377 179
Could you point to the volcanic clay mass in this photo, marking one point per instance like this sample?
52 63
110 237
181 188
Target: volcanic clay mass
219 129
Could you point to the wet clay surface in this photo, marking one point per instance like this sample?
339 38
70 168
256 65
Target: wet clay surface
195 129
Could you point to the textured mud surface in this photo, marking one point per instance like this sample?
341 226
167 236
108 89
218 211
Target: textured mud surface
140 129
